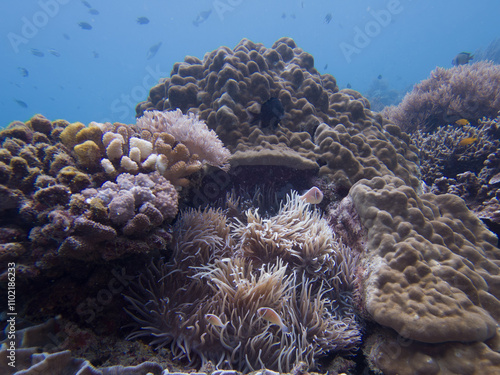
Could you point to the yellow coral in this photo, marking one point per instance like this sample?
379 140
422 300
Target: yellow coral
90 133
68 135
88 154
73 178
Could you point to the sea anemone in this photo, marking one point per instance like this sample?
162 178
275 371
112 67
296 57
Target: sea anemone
204 303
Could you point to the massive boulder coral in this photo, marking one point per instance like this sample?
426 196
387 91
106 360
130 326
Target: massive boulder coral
229 86
433 268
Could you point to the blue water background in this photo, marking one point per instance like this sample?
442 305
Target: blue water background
78 86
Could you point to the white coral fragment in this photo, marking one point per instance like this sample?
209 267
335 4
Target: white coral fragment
128 164
135 154
108 166
144 146
114 150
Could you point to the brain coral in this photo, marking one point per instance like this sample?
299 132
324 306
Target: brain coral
434 270
322 127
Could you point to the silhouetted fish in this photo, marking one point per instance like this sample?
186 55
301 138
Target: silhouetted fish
328 18
24 72
379 76
95 54
142 20
66 36
86 3
271 113
153 50
93 11
462 58
283 16
37 52
348 86
54 52
21 103
326 67
202 17
85 25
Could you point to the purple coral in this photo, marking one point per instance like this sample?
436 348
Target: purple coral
150 194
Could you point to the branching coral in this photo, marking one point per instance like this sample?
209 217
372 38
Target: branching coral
466 91
170 143
465 170
231 271
442 153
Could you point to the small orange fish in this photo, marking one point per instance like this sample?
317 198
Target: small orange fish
312 196
467 141
214 320
462 122
272 316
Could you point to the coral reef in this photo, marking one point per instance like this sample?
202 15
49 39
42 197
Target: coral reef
86 210
61 363
191 132
447 166
230 269
229 86
58 194
396 355
463 92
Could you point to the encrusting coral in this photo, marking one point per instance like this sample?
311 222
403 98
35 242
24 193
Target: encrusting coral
286 263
